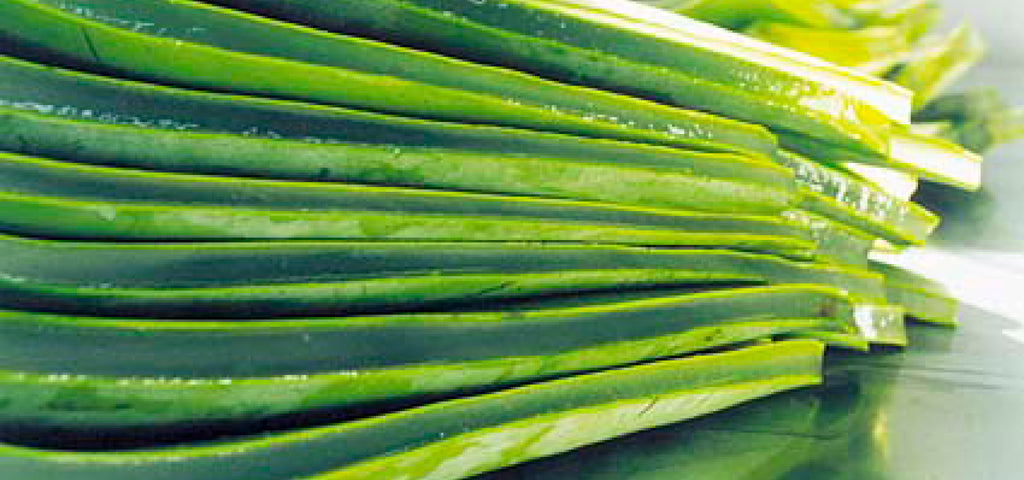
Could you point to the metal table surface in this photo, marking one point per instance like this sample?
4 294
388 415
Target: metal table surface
949 407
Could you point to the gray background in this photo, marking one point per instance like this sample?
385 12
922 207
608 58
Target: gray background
1001 23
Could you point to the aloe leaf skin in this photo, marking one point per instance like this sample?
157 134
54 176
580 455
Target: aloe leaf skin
439 168
551 413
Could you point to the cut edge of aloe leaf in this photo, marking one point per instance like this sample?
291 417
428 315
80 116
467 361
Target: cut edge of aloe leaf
936 159
889 99
834 193
836 242
940 62
882 324
874 324
929 158
924 299
899 184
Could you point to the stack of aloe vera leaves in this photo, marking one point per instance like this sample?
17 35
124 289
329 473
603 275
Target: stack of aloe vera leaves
901 40
432 238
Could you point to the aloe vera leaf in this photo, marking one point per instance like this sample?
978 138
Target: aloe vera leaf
929 158
937 160
260 279
551 441
601 58
739 14
35 216
438 168
898 184
939 63
924 299
81 96
185 265
740 443
843 198
130 52
836 242
544 419
78 404
33 176
916 17
223 154
874 50
888 99
635 119
358 343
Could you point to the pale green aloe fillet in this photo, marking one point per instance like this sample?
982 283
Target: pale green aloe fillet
458 438
873 50
738 14
936 159
938 128
939 63
844 198
924 299
917 16
930 158
583 111
869 38
887 98
896 183
836 242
